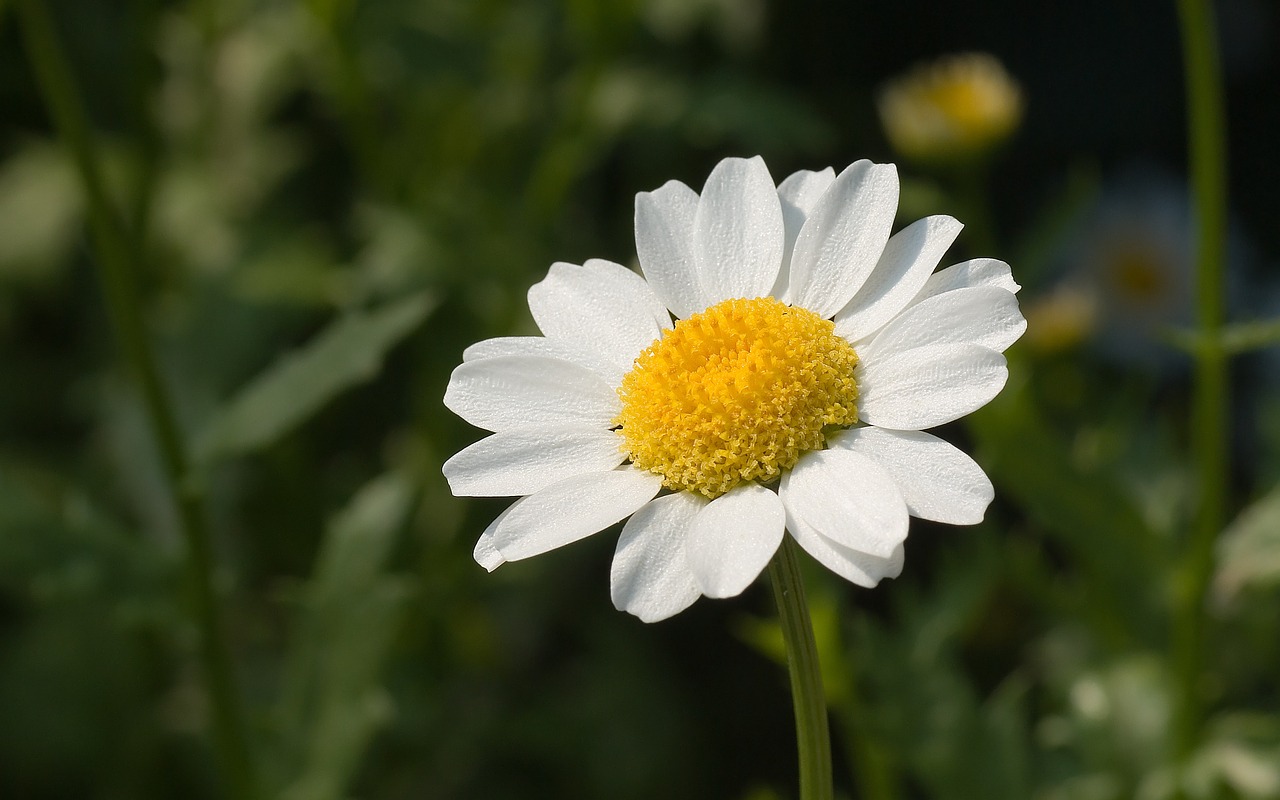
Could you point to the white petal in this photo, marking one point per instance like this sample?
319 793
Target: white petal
799 193
733 538
650 577
928 386
540 346
486 553
847 498
938 481
738 231
523 461
628 280
904 266
843 237
573 509
664 244
601 306
976 272
509 392
861 569
983 315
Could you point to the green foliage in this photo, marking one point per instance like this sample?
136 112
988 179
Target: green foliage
39 207
58 547
347 353
1080 509
332 701
323 203
1249 550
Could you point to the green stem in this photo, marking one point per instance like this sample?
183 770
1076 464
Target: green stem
117 257
1207 139
813 737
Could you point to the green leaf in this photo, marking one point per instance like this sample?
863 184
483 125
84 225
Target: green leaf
40 209
1240 758
918 706
57 547
1245 336
332 701
1236 339
347 353
84 602
1044 238
1083 510
1001 742
1249 550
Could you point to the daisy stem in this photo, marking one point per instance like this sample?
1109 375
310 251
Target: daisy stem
117 255
1207 144
813 736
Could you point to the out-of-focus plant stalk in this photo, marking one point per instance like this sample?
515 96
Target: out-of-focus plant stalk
1207 141
813 736
118 256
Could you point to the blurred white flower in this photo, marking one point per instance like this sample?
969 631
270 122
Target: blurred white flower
1131 264
811 350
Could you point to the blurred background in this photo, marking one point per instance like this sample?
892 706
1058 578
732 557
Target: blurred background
324 202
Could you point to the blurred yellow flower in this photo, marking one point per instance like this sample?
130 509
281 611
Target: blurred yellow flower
953 109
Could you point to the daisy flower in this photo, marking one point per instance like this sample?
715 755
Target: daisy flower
809 352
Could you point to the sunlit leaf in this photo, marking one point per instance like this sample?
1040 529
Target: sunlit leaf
297 272
1240 757
1249 550
1084 511
333 701
40 206
347 353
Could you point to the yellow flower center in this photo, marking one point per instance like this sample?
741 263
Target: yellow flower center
962 102
736 393
1140 273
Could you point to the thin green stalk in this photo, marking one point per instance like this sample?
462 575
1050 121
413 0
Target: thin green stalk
1207 138
117 256
813 737
144 16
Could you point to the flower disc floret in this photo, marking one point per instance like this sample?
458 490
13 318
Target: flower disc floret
736 393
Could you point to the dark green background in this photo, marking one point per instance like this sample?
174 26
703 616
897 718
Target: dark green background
285 166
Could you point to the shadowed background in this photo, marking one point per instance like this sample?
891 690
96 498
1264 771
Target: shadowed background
327 201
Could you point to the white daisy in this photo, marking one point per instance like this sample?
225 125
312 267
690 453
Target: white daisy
811 351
